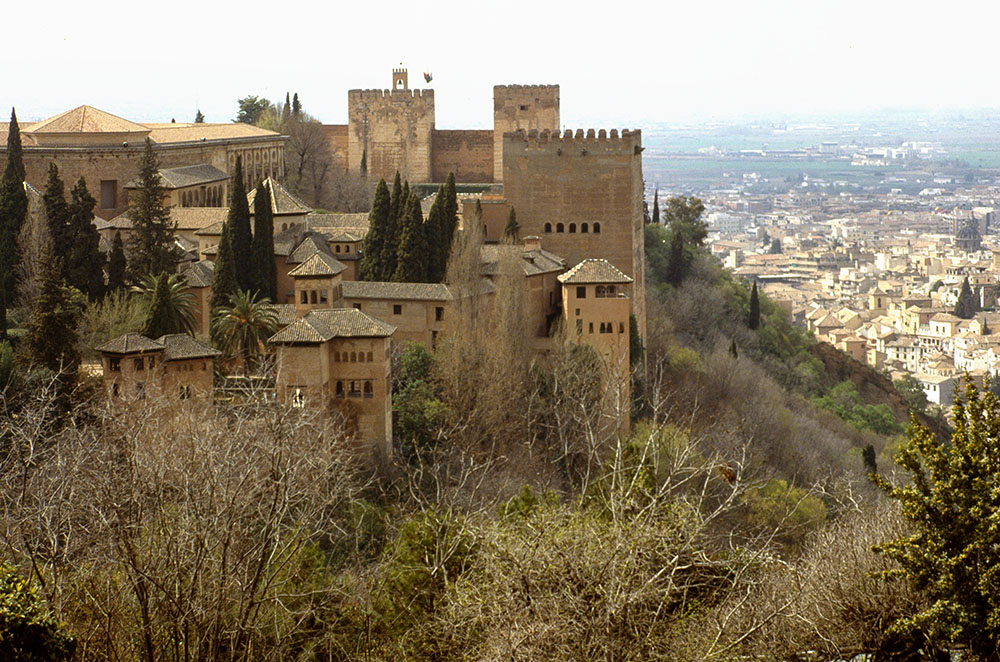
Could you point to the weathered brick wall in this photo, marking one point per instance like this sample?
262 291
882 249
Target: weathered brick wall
528 107
575 179
468 154
396 126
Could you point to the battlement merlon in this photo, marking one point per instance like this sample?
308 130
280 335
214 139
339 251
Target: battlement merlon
627 140
526 88
373 95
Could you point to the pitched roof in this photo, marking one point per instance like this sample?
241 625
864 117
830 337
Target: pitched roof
199 274
284 313
532 261
352 221
311 243
191 175
360 289
85 119
178 132
198 218
319 264
182 346
215 229
282 200
594 270
322 325
130 343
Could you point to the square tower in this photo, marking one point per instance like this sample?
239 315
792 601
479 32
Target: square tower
528 107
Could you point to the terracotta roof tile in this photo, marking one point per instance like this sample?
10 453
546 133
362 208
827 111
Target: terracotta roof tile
192 175
130 343
182 346
321 325
85 119
594 270
319 264
360 289
282 200
199 274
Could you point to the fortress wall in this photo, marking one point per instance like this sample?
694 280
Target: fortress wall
528 107
395 126
592 177
468 154
336 134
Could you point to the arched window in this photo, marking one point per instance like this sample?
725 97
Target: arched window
340 389
548 227
338 248
370 357
369 393
559 227
584 227
601 292
572 227
603 328
354 357
336 357
621 327
284 226
597 228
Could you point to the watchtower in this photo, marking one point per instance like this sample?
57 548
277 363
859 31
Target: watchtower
528 107
400 79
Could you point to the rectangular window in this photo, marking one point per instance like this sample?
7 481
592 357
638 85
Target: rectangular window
357 306
109 190
590 328
305 297
140 364
397 309
312 296
581 292
579 327
322 296
140 390
439 313
114 364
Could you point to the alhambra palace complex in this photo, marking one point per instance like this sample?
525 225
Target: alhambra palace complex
578 199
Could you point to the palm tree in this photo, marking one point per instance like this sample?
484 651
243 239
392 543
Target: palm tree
242 327
169 308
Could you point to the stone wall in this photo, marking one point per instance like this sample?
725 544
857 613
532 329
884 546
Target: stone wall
528 107
396 128
336 134
558 183
468 154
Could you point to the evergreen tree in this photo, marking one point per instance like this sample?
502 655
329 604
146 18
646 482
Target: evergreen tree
13 211
986 330
238 221
224 282
951 554
378 228
683 214
397 209
158 319
169 305
84 268
56 212
51 338
754 320
433 236
732 349
199 118
678 259
296 106
635 348
265 270
510 230
968 304
775 247
286 111
116 264
656 207
364 162
411 266
450 211
151 244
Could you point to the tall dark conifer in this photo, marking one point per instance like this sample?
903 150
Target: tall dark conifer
968 303
437 256
151 244
286 111
754 320
224 282
397 209
56 212
52 329
116 264
266 271
678 259
378 228
238 221
296 106
656 207
411 264
510 230
84 259
450 214
13 211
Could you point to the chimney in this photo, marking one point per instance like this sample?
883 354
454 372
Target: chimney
532 243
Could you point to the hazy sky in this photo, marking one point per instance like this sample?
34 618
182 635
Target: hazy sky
619 64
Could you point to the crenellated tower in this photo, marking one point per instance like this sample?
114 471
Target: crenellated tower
582 194
527 107
391 130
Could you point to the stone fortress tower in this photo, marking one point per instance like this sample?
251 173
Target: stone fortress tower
527 107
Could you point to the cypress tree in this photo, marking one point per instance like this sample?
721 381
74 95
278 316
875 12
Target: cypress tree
434 238
510 230
364 162
84 268
378 228
450 215
116 264
286 112
635 348
151 244
266 271
13 211
754 320
56 212
52 339
397 210
199 118
296 106
411 265
224 282
656 207
968 304
158 322
238 221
